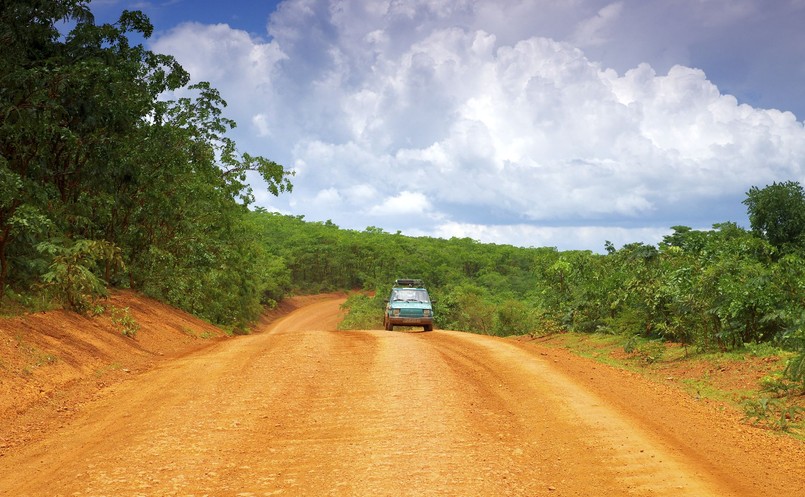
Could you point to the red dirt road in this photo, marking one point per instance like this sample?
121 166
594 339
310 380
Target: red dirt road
301 410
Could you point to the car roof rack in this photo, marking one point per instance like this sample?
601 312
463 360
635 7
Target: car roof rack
409 282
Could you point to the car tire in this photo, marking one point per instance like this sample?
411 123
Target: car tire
428 327
387 324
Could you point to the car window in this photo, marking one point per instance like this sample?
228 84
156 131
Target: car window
412 295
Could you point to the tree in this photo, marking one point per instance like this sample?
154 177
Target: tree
777 214
92 156
68 107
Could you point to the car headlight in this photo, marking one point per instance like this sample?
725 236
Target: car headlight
426 312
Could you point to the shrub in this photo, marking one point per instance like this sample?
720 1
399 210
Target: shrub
71 277
124 321
363 313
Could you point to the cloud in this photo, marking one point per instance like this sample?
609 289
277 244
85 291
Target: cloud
244 69
404 204
431 118
596 30
563 238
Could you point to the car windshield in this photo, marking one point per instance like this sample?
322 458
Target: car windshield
409 295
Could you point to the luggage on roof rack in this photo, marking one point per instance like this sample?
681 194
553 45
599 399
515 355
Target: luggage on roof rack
409 282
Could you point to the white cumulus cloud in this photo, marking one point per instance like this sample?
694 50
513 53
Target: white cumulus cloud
435 119
404 204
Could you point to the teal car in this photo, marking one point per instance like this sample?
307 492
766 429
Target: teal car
408 305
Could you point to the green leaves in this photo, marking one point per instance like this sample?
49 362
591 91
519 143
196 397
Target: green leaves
214 154
716 289
96 169
71 277
777 214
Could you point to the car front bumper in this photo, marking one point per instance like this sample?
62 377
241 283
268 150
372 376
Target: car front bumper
408 321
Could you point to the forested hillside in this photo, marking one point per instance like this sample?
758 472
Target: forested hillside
105 184
717 289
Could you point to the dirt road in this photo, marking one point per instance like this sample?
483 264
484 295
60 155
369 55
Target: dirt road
302 410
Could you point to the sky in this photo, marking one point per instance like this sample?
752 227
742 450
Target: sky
526 122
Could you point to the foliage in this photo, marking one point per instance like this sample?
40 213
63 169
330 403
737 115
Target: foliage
777 214
647 351
465 307
774 414
794 338
514 317
91 153
124 321
717 289
780 385
362 313
71 277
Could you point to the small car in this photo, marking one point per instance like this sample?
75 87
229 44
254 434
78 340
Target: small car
408 305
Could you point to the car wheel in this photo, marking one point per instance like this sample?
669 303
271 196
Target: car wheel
388 325
428 327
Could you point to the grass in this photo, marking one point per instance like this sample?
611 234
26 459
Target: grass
204 335
704 388
37 358
14 304
594 346
749 379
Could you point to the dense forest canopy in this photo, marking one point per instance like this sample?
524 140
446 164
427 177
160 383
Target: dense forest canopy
717 288
103 183
100 178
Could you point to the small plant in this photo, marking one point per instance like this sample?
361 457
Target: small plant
779 385
96 309
647 351
123 319
71 277
795 369
773 413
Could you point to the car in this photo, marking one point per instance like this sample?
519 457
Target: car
408 305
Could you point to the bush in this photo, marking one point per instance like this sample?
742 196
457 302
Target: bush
774 414
363 313
71 277
124 321
514 317
647 351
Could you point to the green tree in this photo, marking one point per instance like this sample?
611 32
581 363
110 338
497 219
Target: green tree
514 317
777 214
90 151
68 105
466 307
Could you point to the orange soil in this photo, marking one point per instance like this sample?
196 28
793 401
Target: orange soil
300 409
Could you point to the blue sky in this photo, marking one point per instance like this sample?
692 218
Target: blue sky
535 123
